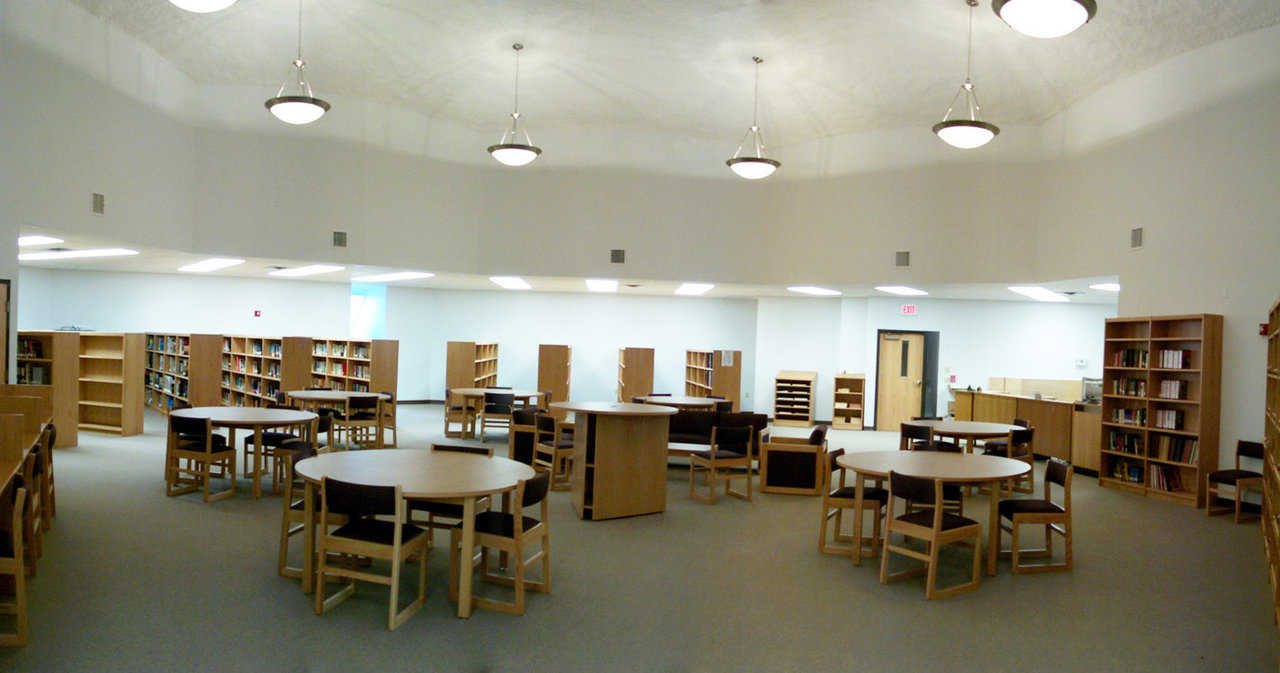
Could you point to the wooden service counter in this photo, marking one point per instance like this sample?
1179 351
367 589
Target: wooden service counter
1067 430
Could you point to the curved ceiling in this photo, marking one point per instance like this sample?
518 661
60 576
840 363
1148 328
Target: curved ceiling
684 68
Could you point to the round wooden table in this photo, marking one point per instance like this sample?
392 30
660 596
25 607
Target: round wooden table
682 401
952 468
472 397
317 397
420 474
255 418
967 430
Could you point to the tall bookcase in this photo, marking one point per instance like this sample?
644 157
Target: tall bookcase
111 382
1161 390
355 365
635 373
717 373
793 398
1271 460
847 412
183 369
553 374
471 364
53 359
255 368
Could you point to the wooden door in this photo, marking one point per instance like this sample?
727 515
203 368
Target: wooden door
899 380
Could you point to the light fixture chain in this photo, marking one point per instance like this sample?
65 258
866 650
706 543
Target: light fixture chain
299 31
517 85
755 106
968 66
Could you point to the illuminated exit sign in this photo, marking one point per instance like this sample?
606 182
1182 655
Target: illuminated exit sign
908 309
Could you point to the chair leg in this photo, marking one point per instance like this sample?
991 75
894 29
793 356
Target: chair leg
455 542
822 527
932 581
519 578
546 563
394 600
1014 551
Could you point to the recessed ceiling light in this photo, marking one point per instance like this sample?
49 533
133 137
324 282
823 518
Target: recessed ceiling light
33 239
1038 293
309 270
1106 287
694 288
211 264
901 290
511 282
74 254
817 291
392 277
202 6
602 285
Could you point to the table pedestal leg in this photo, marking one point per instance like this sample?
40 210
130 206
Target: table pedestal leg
857 518
308 539
468 550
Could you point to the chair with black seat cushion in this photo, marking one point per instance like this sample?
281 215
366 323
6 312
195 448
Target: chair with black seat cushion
1237 481
509 533
11 565
952 494
496 411
196 455
931 524
837 497
33 513
50 495
449 509
637 399
553 452
389 418
793 464
366 535
730 449
362 423
724 407
280 454
998 443
457 411
926 418
271 440
1035 511
293 520
523 435
1019 445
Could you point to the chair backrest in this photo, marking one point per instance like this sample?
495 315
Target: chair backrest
498 402
463 448
1248 449
545 423
819 435
299 449
1057 471
724 407
189 426
926 418
832 465
1022 422
524 416
734 438
362 402
659 394
324 423
636 399
1021 438
715 397
281 398
500 387
910 431
535 489
916 489
357 500
179 405
52 438
546 399
391 397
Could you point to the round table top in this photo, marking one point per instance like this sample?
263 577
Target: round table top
977 429
950 467
331 395
246 416
681 401
479 392
419 473
615 408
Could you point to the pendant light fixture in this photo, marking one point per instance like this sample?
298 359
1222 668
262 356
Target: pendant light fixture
202 6
753 166
509 150
303 107
1045 18
966 134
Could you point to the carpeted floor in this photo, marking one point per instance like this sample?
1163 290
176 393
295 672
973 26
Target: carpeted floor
134 581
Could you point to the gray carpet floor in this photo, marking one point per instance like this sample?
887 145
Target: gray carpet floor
132 580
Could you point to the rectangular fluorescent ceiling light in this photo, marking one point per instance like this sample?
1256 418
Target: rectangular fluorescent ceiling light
211 264
511 282
1106 287
392 277
24 241
694 289
309 270
1038 293
601 285
901 290
74 254
816 291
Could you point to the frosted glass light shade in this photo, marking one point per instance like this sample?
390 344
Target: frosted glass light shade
297 110
965 134
202 6
514 154
753 168
1045 18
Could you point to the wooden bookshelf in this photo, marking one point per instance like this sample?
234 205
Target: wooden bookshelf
635 373
255 368
847 413
183 369
111 382
53 359
1271 460
353 365
1161 389
793 398
553 375
714 373
471 364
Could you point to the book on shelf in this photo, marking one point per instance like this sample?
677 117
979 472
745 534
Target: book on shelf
1169 419
1177 449
1125 442
1130 357
1165 478
1172 358
1129 387
1173 389
1129 416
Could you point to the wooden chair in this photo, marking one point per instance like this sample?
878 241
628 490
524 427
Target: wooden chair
1238 481
496 411
366 535
271 441
730 448
389 418
552 452
508 534
11 565
932 525
999 443
523 435
193 453
911 436
450 509
1019 446
282 452
460 413
361 423
1033 511
33 513
792 464
48 484
836 498
293 520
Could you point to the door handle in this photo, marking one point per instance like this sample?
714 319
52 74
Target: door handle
917 381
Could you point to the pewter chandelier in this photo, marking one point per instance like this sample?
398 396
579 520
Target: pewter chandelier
753 166
510 150
1045 18
966 134
303 107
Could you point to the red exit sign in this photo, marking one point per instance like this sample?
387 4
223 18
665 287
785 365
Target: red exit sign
908 309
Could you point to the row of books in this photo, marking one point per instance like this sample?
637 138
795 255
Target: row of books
37 373
167 383
1129 416
1130 357
1173 389
254 347
167 363
241 364
1130 387
1169 419
1126 471
178 345
1172 358
335 349
30 348
1177 449
1125 442
1166 479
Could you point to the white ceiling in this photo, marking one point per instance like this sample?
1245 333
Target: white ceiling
680 67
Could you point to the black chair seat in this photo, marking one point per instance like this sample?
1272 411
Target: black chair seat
688 438
952 492
500 524
6 546
449 509
270 438
720 455
559 444
363 416
850 492
185 437
1028 506
196 443
935 445
993 443
328 411
1231 476
924 518
376 531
